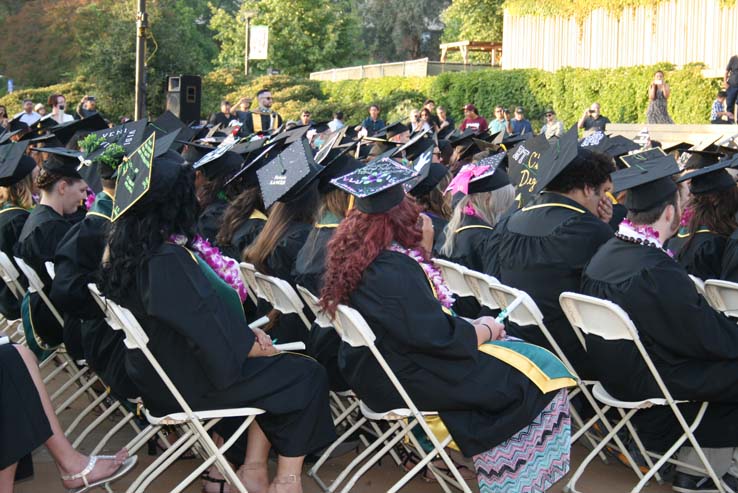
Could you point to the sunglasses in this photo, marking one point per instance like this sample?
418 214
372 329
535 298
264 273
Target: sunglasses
549 114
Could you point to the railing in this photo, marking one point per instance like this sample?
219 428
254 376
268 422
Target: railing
412 68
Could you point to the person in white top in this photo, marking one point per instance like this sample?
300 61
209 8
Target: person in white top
337 122
58 104
27 116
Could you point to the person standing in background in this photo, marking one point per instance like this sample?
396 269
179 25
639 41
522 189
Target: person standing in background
730 83
658 95
447 123
58 105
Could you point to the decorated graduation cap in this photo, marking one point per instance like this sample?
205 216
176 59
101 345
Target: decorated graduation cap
377 186
128 136
637 158
711 178
14 164
341 165
62 161
66 131
523 166
484 176
648 183
429 174
699 159
558 157
288 174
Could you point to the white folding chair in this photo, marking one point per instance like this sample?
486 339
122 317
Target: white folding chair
478 282
11 278
197 423
607 320
453 274
699 284
282 296
722 296
50 269
355 331
313 304
248 274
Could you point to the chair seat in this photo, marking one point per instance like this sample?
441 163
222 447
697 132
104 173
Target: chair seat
599 392
392 414
178 418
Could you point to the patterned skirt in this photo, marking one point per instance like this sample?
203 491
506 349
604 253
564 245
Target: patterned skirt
533 459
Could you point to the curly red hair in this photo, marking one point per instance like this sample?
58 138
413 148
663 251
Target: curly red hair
356 243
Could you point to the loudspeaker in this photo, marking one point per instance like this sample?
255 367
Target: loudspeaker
184 97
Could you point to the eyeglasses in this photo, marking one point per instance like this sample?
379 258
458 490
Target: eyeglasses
549 114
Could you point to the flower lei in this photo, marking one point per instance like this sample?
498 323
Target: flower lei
687 215
90 200
226 268
443 293
642 235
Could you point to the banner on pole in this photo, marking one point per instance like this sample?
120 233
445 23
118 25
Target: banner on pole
259 42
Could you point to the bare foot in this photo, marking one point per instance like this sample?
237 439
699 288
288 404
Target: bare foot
254 477
286 484
103 469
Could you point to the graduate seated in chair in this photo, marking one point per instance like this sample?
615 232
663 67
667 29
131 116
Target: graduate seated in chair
27 421
213 195
542 248
193 316
376 264
62 190
694 347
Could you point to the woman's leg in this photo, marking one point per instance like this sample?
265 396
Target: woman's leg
7 476
289 474
253 473
67 459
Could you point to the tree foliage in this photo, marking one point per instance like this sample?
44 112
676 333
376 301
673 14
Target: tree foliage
304 35
474 20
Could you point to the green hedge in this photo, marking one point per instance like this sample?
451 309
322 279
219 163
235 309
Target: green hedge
622 93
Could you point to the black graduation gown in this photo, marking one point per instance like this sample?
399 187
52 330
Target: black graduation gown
198 333
37 244
77 262
281 264
481 400
323 342
701 253
729 270
208 224
23 423
472 246
439 227
694 347
542 249
619 212
244 235
12 220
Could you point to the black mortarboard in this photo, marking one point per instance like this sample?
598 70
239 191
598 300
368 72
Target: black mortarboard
619 145
596 141
194 152
523 161
377 186
290 136
288 174
167 123
247 173
649 183
66 131
486 146
457 136
416 145
426 177
389 131
40 127
508 141
381 148
16 123
129 136
493 179
14 164
642 157
134 177
710 178
698 159
340 166
227 163
681 146
558 157
214 154
7 135
332 141
320 127
62 161
436 172
249 146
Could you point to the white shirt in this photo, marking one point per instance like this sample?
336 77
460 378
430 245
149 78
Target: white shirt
28 118
336 124
65 118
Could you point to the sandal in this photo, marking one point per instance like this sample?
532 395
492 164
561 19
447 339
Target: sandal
124 468
410 459
223 485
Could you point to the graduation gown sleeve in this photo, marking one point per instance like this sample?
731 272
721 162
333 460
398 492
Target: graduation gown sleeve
180 296
282 260
703 255
729 268
208 224
11 225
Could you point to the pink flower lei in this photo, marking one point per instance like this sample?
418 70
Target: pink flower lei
643 235
443 293
90 200
687 215
226 268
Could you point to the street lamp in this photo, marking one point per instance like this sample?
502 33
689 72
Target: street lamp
247 16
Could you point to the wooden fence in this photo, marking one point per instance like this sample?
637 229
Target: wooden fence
678 31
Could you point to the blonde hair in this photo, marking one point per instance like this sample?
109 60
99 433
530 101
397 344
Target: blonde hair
20 194
489 206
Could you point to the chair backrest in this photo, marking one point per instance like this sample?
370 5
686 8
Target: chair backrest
248 273
10 276
281 295
313 303
478 283
112 319
35 284
723 296
699 284
50 269
453 274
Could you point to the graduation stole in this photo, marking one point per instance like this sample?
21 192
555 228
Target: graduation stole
440 290
256 120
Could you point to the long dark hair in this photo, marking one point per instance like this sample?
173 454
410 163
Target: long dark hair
238 212
209 191
716 211
138 234
281 215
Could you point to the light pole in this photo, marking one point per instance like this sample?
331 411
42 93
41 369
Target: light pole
142 24
248 15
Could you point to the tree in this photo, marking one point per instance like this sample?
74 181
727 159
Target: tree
304 35
179 43
475 20
397 30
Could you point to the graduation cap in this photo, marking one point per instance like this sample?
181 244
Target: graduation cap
389 131
619 145
226 163
416 146
247 173
39 127
249 146
291 136
134 178
167 123
288 174
523 161
14 164
558 157
679 147
377 186
596 141
642 157
62 161
7 135
710 178
649 183
129 136
455 138
214 154
17 125
333 140
339 166
699 159
427 176
66 131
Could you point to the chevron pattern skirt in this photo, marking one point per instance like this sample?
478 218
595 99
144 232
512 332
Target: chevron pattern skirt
533 459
